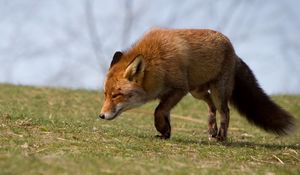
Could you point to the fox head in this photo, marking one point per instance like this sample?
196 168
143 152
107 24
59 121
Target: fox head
123 85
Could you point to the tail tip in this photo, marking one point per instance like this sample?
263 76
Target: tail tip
289 128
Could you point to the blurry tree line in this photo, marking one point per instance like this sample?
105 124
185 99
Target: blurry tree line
83 35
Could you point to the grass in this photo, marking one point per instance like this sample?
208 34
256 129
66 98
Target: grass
56 131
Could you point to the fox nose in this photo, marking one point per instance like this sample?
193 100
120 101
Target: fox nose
102 116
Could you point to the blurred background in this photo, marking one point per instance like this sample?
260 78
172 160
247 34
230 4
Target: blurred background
67 43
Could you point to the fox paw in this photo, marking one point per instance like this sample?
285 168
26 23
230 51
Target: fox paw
221 136
165 137
212 132
221 139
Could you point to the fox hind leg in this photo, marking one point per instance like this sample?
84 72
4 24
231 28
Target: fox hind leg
220 95
212 121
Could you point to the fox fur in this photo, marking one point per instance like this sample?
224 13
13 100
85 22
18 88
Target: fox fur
166 64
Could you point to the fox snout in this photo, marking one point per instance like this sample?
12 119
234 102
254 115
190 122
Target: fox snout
109 116
110 111
102 116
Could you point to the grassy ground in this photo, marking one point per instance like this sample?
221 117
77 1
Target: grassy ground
56 131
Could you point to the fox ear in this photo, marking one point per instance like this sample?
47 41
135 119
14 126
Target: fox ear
116 58
135 70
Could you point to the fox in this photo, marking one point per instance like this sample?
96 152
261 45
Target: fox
167 64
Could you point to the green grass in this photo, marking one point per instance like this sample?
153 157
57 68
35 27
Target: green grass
56 131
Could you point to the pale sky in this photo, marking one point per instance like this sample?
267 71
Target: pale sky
49 43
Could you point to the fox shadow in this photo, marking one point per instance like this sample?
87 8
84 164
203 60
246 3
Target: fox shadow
229 143
237 144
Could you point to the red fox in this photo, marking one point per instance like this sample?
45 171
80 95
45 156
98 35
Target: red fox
166 64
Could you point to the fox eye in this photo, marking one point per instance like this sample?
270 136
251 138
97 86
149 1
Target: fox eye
130 95
116 95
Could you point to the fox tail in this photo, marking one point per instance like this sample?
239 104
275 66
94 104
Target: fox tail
252 102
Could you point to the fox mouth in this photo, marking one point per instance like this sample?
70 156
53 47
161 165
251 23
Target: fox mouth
116 114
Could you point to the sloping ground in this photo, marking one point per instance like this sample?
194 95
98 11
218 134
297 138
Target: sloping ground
56 131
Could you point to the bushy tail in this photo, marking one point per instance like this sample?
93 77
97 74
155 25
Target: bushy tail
253 103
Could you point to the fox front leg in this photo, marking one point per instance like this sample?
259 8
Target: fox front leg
162 112
162 123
